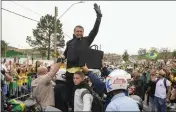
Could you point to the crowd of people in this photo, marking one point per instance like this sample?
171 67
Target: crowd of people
154 81
157 80
70 86
18 78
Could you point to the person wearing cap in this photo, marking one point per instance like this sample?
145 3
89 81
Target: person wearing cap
162 91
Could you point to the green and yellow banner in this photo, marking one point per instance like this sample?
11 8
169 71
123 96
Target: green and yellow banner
151 55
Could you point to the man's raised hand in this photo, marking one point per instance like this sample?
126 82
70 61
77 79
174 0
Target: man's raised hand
97 10
85 68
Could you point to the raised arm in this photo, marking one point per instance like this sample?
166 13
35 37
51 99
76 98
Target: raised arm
52 73
98 84
54 69
95 29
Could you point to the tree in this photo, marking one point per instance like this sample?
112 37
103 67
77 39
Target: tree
142 51
164 53
43 35
3 47
174 53
163 50
125 56
42 52
153 50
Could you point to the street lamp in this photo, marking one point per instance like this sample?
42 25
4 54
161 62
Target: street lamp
69 8
5 50
55 36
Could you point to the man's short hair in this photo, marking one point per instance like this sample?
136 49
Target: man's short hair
80 73
41 69
79 26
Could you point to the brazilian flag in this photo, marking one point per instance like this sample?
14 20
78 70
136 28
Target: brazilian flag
17 106
151 55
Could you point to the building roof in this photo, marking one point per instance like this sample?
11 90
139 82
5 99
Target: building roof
10 47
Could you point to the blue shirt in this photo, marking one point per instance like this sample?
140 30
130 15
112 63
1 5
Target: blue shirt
120 102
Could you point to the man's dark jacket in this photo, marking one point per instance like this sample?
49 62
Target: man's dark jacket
76 45
60 95
139 87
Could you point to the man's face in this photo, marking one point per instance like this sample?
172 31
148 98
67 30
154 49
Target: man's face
78 32
77 79
131 89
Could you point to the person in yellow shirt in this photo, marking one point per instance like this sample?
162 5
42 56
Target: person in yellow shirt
30 73
19 81
25 79
25 76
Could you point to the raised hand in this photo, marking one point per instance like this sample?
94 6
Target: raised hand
97 10
85 68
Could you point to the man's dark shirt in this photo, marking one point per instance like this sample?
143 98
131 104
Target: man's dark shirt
152 86
76 45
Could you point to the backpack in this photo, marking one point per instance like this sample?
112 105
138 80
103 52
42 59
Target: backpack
97 104
164 82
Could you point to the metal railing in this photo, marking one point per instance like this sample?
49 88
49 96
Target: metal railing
14 91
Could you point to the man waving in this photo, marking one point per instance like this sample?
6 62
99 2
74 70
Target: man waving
77 44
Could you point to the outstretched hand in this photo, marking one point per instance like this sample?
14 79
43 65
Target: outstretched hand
97 10
85 68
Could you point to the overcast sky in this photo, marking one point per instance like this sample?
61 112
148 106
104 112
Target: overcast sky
125 25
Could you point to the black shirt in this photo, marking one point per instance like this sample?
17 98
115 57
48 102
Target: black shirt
75 46
152 90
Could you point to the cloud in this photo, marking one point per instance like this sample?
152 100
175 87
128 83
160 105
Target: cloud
125 25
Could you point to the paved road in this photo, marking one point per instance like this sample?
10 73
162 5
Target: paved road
146 108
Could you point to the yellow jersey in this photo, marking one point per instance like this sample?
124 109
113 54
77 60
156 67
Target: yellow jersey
20 80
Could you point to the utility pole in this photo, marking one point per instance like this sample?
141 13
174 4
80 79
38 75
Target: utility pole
32 56
5 51
55 31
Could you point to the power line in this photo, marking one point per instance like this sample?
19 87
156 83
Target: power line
41 15
27 18
26 8
67 35
19 14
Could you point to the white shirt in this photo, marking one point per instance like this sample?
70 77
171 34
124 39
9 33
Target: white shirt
160 90
3 67
82 104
